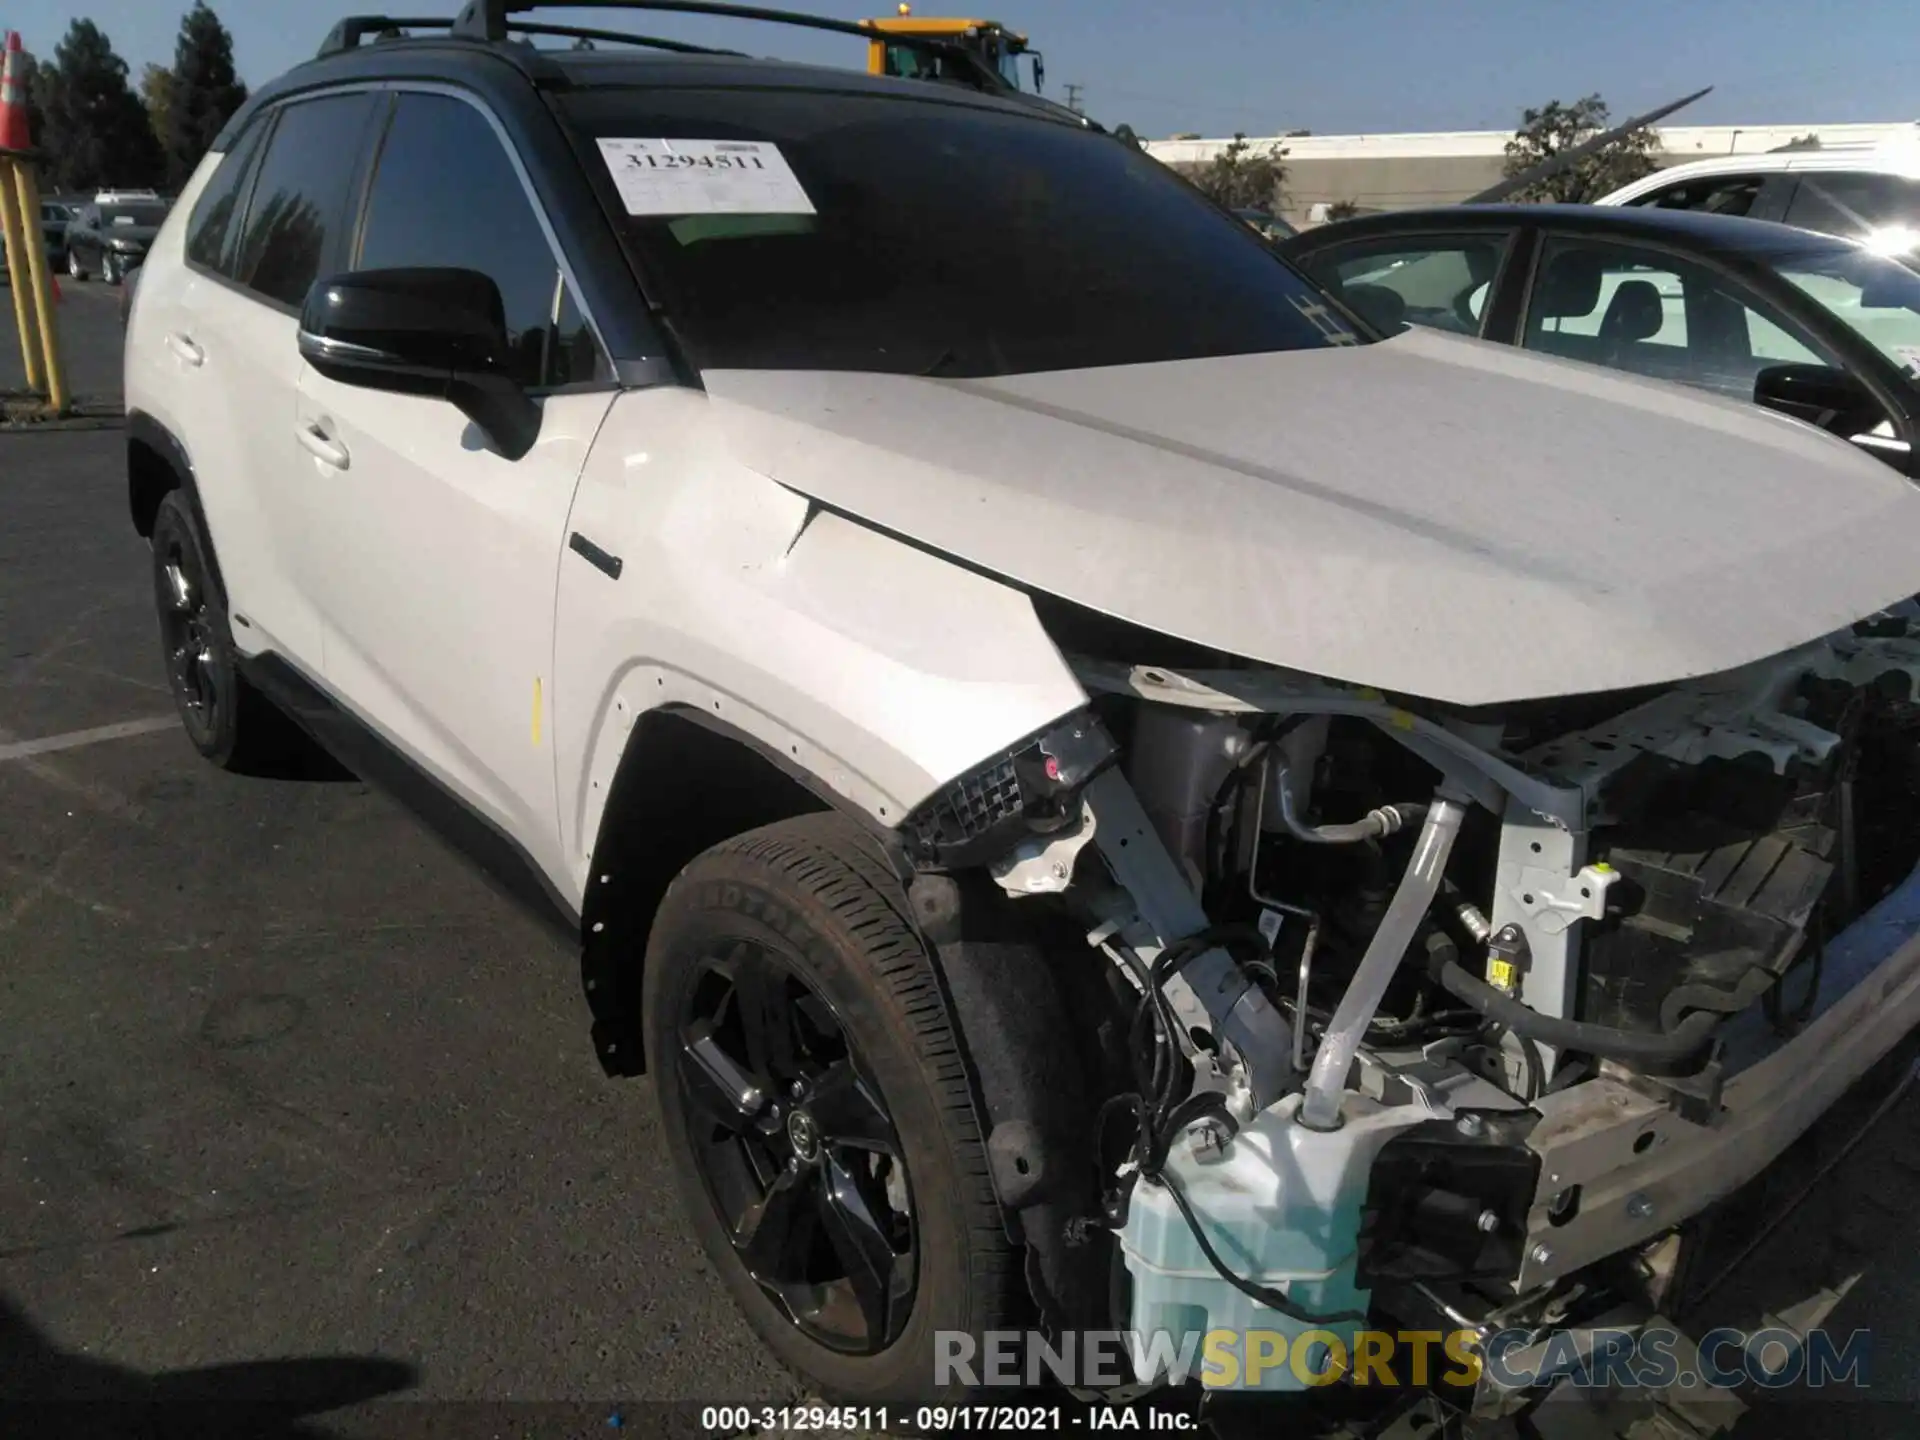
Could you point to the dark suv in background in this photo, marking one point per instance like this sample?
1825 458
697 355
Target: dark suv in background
109 235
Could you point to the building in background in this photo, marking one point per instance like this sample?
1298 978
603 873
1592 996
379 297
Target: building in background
1401 172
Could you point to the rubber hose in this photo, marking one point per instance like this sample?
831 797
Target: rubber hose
1662 1050
1374 825
1320 1104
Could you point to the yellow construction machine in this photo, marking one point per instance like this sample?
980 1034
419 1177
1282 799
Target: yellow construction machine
988 41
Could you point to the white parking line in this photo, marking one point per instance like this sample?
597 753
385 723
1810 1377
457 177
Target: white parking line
74 739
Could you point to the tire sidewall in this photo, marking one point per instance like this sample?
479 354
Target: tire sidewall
717 900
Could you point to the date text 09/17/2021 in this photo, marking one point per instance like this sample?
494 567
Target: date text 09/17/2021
936 1419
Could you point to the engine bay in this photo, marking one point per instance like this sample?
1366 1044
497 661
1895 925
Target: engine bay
1420 998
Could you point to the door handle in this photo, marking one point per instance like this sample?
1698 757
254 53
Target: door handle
315 442
186 350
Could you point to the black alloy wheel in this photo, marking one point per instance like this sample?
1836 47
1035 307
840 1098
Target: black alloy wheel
199 660
228 721
819 1112
797 1151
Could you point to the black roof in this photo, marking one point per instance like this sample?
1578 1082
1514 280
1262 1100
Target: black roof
1700 227
456 60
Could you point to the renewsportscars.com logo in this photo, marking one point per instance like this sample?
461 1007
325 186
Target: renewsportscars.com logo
1626 1359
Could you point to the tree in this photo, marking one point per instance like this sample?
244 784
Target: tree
202 92
1242 177
97 134
32 84
1126 134
1343 209
1809 141
156 89
1546 132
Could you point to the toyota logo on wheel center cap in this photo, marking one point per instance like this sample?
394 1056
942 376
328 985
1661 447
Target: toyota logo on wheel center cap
804 1134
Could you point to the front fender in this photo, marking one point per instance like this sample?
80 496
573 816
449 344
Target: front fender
875 667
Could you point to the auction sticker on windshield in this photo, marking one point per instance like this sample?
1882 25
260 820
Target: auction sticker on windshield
704 177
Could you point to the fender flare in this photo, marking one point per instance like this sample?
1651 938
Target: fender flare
144 430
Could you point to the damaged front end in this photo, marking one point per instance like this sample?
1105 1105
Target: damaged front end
1437 1014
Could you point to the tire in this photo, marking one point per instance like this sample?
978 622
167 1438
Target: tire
228 721
812 904
73 264
110 268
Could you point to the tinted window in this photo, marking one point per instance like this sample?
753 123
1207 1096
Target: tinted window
1718 194
948 238
439 155
149 214
1442 282
1657 314
1856 204
212 221
300 200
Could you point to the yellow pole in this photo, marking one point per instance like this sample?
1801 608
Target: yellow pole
29 191
19 278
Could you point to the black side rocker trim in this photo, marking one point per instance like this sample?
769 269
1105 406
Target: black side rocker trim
499 858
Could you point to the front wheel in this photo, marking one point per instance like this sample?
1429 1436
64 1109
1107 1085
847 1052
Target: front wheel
110 268
73 265
818 1111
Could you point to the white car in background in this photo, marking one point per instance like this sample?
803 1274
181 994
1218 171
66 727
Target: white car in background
1871 194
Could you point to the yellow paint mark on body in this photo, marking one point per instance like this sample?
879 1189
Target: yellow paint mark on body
536 712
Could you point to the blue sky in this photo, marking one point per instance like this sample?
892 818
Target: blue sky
1265 66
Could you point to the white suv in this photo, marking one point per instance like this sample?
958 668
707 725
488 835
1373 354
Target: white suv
1871 195
1067 755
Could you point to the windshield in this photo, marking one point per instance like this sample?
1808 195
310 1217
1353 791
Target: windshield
149 214
947 239
1878 299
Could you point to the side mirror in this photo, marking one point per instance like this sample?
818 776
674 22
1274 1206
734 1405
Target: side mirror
439 332
1819 395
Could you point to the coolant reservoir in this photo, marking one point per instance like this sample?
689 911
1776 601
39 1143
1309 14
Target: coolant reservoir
1281 1206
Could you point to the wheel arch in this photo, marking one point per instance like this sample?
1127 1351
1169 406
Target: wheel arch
157 465
685 782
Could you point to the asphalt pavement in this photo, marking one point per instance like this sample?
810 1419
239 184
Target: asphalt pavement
294 1108
87 316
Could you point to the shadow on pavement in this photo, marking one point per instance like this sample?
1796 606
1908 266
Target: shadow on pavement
51 1394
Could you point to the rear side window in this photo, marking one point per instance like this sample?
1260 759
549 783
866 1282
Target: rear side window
1441 282
1853 204
300 200
439 160
216 216
1716 194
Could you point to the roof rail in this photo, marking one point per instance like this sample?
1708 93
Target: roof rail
348 34
489 20
623 37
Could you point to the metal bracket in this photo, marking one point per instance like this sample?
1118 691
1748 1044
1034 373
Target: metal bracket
1044 865
1554 901
1210 992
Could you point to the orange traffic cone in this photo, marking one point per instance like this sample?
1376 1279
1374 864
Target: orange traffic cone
13 99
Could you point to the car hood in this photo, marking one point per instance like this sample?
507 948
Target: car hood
1431 516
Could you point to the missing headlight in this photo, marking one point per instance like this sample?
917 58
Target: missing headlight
1016 792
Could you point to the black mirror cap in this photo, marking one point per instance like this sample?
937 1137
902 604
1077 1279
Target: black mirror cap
1820 395
442 324
427 331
